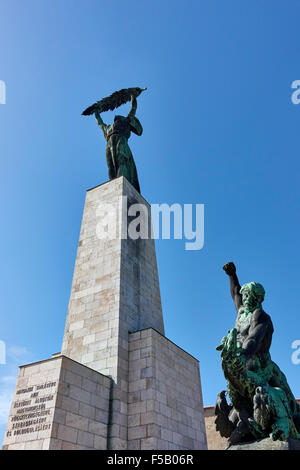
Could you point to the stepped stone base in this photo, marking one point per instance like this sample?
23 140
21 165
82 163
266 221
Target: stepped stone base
268 444
118 383
61 404
58 404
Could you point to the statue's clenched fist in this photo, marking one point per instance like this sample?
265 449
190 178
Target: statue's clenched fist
229 268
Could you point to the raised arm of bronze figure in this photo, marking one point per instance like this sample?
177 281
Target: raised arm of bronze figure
99 118
133 106
235 287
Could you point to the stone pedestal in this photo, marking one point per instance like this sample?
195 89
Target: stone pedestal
118 383
267 444
165 409
115 286
59 404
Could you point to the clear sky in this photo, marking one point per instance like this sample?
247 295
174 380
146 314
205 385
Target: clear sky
219 129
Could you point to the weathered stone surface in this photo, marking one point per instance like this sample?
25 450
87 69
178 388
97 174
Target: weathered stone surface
115 285
165 409
268 444
51 408
214 439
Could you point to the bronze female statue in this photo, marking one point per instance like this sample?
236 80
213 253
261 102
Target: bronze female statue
119 158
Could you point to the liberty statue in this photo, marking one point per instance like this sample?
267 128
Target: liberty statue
119 158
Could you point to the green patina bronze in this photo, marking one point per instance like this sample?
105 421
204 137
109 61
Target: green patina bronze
119 158
262 404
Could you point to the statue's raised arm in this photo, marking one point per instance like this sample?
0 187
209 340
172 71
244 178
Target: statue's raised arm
235 287
101 124
133 107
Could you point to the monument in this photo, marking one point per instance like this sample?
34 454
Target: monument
118 382
263 413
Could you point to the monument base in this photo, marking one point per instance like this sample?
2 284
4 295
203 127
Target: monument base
60 404
118 383
268 444
165 408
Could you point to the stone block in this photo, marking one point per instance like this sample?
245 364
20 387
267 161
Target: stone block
53 414
169 385
267 444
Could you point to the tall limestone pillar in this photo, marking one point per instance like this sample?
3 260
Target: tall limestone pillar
115 286
115 291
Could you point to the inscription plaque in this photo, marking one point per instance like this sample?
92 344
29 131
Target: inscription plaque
31 411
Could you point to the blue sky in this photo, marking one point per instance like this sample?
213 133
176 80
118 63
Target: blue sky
219 129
